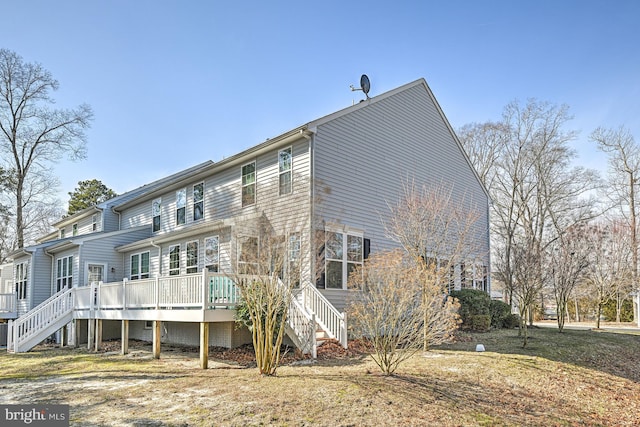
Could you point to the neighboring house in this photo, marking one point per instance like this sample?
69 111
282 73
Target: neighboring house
162 253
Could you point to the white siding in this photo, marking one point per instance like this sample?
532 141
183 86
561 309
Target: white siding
362 159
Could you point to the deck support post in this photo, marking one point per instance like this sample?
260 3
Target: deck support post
157 324
98 334
124 337
64 336
90 332
204 345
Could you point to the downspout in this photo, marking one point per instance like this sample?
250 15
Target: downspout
113 209
52 276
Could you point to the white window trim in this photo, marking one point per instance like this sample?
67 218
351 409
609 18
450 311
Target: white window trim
179 260
140 273
217 237
187 266
74 229
255 184
200 201
153 216
60 278
94 222
346 232
289 171
184 206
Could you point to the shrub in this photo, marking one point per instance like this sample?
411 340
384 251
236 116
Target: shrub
499 311
480 322
473 302
626 313
511 321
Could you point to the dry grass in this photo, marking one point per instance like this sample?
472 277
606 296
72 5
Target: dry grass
576 378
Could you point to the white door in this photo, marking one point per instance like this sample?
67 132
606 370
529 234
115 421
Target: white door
95 273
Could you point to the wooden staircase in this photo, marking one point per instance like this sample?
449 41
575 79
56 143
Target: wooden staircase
36 325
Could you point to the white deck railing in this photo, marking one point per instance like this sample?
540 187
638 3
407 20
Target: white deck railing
8 303
329 319
192 291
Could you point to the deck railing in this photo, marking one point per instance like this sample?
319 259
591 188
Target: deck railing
192 291
330 319
8 303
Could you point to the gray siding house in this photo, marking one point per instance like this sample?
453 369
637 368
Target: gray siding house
155 263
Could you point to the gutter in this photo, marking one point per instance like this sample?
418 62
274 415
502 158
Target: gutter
153 243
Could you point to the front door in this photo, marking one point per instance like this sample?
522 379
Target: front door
95 273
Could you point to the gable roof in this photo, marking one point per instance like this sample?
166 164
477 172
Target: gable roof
305 130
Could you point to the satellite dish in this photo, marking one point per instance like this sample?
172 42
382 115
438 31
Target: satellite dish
365 85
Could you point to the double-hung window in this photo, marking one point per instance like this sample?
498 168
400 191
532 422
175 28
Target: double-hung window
192 257
343 252
64 273
181 206
284 171
74 229
94 222
21 279
174 260
249 184
212 254
62 233
140 266
293 258
155 212
198 201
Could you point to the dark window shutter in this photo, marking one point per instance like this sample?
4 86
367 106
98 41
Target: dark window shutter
367 248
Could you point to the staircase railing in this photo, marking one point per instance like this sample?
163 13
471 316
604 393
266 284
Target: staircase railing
303 326
40 320
327 316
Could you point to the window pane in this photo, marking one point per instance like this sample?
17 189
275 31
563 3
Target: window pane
248 195
284 161
211 253
155 207
192 257
181 198
198 211
198 192
333 278
180 216
134 265
144 261
174 260
333 247
285 183
354 248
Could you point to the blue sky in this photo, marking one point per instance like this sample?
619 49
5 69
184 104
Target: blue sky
174 83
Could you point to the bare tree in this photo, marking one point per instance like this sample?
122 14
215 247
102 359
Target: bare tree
568 257
536 193
609 266
32 133
440 231
624 176
389 304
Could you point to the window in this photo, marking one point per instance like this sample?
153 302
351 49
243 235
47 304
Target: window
198 201
155 212
140 266
192 257
62 233
293 257
342 253
248 255
94 222
74 229
249 184
212 254
21 279
181 206
64 273
174 260
284 169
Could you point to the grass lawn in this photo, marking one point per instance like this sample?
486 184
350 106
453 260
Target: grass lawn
578 378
